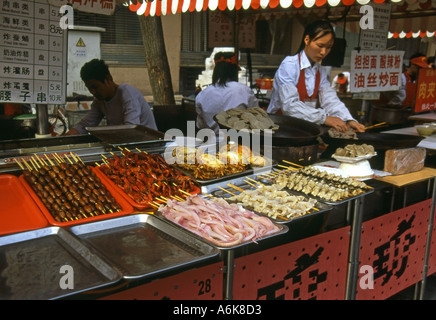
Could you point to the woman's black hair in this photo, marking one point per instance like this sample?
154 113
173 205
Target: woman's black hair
316 30
95 69
224 70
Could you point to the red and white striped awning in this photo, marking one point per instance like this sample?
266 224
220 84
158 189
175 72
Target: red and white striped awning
399 28
166 7
412 27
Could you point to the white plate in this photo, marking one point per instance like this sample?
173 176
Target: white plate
354 159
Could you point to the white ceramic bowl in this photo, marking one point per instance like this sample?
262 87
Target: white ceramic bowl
425 130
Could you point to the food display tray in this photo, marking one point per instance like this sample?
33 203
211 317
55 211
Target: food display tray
19 212
141 246
126 208
49 263
331 203
127 198
127 134
282 229
320 207
205 182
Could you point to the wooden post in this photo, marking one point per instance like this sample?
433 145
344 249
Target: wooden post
156 60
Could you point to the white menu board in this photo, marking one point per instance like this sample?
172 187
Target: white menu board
375 71
33 57
377 37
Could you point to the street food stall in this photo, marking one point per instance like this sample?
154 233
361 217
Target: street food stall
126 212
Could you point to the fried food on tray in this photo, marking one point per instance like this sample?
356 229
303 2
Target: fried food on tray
230 159
355 150
248 119
143 176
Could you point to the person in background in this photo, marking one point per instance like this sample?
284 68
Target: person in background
409 78
301 80
119 103
224 93
341 82
431 62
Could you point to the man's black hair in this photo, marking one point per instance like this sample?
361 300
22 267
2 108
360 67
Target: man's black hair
95 69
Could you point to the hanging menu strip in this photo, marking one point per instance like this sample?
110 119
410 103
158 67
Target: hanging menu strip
33 60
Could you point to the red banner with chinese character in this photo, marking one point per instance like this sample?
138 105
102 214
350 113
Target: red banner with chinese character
426 90
376 71
221 31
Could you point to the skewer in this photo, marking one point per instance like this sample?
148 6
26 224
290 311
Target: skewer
48 159
256 182
297 165
251 184
55 156
27 165
34 163
65 156
79 159
227 191
60 158
141 151
235 187
287 168
154 205
262 177
19 163
182 191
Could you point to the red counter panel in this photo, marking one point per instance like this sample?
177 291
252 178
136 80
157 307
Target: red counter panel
204 283
312 268
393 249
432 257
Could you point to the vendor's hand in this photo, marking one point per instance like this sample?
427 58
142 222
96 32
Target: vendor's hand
356 126
72 132
336 123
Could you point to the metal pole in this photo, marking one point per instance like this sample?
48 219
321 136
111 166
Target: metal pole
42 119
229 261
428 244
353 255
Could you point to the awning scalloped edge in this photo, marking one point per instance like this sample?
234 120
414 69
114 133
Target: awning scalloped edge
166 7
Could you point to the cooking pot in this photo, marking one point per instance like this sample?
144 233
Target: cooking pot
390 114
19 127
292 131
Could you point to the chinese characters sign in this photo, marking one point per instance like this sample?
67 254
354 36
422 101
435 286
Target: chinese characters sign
33 55
221 31
376 71
377 37
394 246
106 7
314 268
426 90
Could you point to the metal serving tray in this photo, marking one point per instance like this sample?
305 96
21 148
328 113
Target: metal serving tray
206 182
141 246
331 203
31 262
234 179
320 207
282 229
127 134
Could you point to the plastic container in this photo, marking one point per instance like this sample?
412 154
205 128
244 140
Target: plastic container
18 212
126 208
133 203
